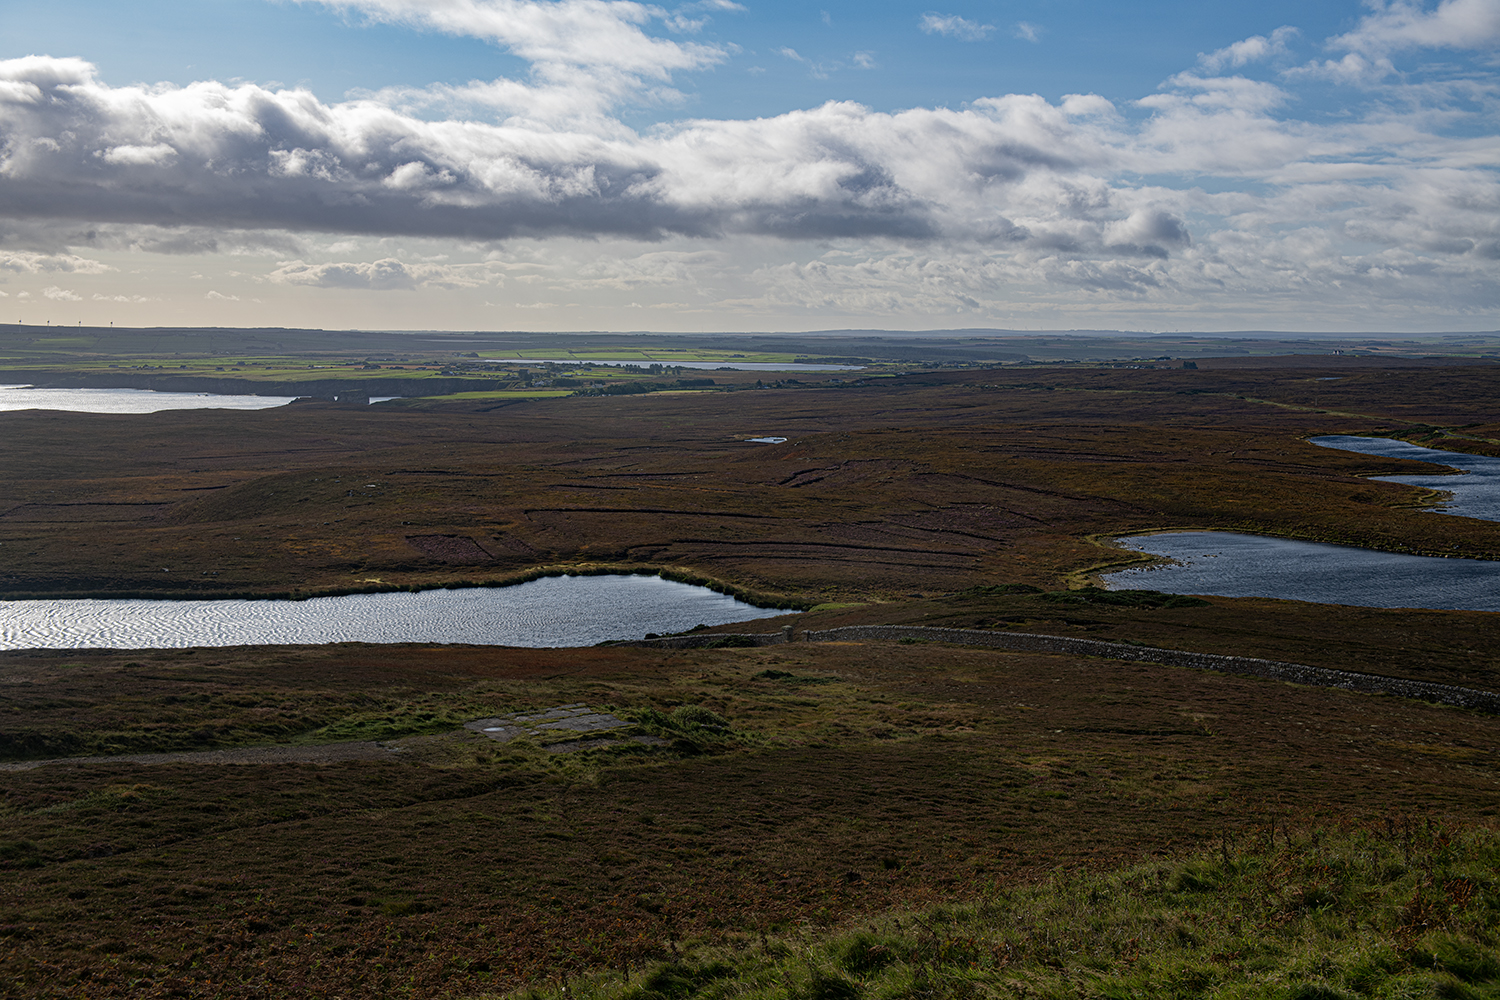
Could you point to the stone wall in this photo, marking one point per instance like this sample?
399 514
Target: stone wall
1295 673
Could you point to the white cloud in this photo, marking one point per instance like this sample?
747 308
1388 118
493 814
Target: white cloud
953 26
1405 24
1253 49
1014 170
568 33
61 294
27 262
220 296
670 268
137 156
1028 32
122 298
384 275
586 56
1211 187
1353 69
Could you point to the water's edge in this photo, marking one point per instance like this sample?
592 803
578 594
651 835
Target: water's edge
673 573
1240 564
566 610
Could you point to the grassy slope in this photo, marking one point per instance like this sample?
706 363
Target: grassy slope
1403 912
1406 912
857 778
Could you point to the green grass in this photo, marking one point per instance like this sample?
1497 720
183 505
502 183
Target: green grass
1408 911
652 356
507 394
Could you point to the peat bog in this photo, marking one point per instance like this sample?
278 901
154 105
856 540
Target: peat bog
790 791
850 779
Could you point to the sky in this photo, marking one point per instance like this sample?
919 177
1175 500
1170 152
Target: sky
716 166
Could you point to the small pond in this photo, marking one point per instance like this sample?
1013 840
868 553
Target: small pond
1475 494
552 611
1232 565
26 397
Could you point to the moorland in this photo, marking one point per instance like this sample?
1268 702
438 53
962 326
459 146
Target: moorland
802 791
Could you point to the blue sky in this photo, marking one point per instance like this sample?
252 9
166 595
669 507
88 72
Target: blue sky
1106 48
588 164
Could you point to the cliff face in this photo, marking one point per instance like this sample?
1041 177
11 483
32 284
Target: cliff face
319 388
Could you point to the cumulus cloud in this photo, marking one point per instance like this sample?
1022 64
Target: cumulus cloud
586 56
1015 171
36 263
386 274
1253 49
1209 186
1404 24
953 26
246 158
61 294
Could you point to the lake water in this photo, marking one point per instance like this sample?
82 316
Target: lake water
1475 494
552 611
1232 565
25 397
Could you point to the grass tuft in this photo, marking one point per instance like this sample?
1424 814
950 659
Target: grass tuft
1395 913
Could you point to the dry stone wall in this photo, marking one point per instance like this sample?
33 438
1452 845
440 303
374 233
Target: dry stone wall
1295 673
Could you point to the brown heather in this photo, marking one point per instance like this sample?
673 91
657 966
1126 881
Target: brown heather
879 819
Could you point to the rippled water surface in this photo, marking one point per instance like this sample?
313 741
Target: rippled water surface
553 611
1475 494
1233 565
25 397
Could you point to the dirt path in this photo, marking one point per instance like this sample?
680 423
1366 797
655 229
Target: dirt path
327 753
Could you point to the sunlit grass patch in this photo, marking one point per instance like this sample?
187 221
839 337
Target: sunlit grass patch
1409 911
504 394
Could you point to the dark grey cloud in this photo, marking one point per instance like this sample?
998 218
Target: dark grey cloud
213 157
